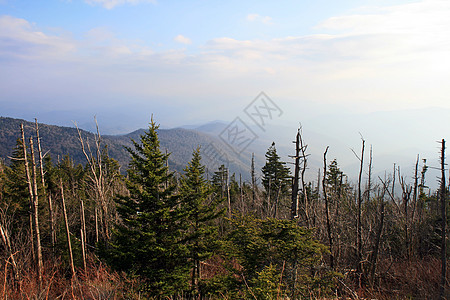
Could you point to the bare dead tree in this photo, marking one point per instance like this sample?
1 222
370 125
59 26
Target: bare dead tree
253 180
393 183
313 210
327 212
97 178
4 233
422 187
379 231
44 190
406 197
241 194
66 223
83 233
304 190
30 189
369 178
358 222
295 180
227 184
166 184
416 187
337 238
39 263
443 200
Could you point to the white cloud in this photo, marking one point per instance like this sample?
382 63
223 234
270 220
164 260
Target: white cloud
110 4
182 39
20 39
394 57
258 18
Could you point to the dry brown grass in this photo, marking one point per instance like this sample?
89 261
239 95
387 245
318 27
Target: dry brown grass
395 280
99 282
417 279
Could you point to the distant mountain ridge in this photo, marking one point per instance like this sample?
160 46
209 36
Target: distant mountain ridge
397 137
180 142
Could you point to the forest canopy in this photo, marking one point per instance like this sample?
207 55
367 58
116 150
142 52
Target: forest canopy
89 230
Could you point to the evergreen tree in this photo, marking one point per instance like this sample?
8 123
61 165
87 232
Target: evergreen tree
334 177
276 258
219 181
15 188
148 240
201 209
276 177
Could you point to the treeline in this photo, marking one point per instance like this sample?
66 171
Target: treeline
89 232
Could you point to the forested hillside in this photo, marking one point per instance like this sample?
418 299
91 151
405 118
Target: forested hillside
87 231
61 141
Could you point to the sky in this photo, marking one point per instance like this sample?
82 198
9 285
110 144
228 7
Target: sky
189 62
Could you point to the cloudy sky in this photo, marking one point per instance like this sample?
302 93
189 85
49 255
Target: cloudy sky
196 61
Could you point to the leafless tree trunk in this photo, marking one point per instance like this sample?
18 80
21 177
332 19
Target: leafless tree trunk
304 190
253 180
412 239
294 198
228 194
379 231
241 194
166 185
268 196
30 189
393 184
337 239
443 198
83 234
96 223
47 195
358 222
369 179
97 178
406 196
7 242
66 223
39 264
313 210
327 212
421 203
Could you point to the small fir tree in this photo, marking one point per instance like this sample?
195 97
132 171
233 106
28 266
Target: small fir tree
276 177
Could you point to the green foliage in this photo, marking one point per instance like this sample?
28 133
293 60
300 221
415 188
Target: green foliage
148 241
15 188
266 285
334 178
200 212
219 181
262 246
276 176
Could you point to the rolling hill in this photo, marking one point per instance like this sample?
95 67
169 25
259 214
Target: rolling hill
59 141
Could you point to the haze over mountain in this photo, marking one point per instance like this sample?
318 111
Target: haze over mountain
396 137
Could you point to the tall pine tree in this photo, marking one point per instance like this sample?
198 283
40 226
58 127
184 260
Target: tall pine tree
148 240
201 210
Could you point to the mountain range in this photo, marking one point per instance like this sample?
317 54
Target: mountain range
397 137
59 141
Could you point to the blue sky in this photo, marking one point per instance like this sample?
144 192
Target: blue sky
195 61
